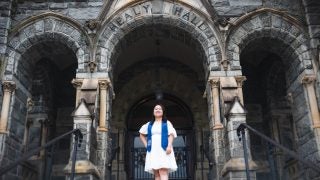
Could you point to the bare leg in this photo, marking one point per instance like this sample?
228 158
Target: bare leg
156 174
164 174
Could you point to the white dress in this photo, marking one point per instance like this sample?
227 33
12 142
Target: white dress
157 157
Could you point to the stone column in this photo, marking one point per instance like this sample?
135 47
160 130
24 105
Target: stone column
214 82
8 88
104 105
308 82
84 167
240 80
44 131
234 168
77 84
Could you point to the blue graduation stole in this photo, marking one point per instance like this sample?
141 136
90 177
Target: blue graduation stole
164 135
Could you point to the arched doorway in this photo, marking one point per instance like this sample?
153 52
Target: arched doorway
45 71
179 114
269 107
150 66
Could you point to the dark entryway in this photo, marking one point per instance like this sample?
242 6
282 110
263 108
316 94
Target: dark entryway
180 116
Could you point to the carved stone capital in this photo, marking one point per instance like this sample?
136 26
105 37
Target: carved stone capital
77 83
214 82
240 80
308 79
104 84
8 86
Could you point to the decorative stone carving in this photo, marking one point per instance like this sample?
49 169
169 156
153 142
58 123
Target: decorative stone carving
8 86
92 66
92 24
225 63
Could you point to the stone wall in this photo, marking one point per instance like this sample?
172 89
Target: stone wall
236 8
80 11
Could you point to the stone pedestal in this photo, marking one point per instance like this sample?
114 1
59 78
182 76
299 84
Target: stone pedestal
234 167
85 167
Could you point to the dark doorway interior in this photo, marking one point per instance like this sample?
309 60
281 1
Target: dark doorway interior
180 116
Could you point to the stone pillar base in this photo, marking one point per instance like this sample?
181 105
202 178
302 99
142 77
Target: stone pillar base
235 168
83 169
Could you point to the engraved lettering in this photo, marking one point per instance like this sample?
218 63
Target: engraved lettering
113 27
186 16
119 21
146 8
203 26
209 33
128 17
195 20
136 11
177 10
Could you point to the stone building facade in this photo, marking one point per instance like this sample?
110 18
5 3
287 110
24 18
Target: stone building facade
101 65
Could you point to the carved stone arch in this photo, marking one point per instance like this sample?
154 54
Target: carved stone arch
176 15
270 24
44 28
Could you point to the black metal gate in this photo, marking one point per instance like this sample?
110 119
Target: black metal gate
181 152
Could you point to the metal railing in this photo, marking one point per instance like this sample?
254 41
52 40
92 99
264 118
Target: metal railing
241 135
77 143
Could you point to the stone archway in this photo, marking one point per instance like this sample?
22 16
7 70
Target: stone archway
43 55
176 15
165 27
270 24
41 28
272 53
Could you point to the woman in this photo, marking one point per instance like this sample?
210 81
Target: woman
157 136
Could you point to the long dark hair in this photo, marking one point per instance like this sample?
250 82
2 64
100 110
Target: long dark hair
164 117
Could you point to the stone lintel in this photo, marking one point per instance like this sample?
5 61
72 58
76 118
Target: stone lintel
83 167
237 164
